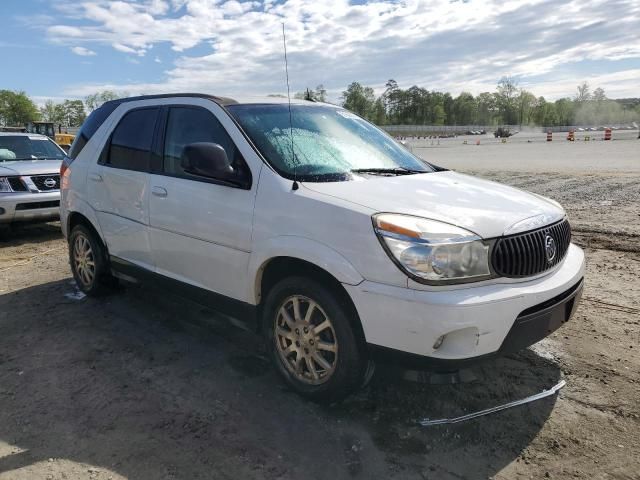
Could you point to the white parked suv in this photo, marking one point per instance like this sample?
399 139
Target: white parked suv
337 242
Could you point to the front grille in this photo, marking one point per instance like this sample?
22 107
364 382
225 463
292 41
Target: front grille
41 182
526 254
37 205
17 185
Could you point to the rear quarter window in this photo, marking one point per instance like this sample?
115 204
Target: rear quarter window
90 126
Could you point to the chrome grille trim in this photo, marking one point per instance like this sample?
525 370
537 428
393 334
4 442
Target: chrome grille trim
526 254
39 182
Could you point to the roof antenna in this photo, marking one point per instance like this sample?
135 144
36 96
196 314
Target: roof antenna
293 155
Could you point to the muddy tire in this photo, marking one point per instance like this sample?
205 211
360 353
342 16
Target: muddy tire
311 340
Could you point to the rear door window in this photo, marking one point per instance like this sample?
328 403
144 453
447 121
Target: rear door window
131 141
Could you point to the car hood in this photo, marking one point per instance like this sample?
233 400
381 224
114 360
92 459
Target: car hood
481 206
30 167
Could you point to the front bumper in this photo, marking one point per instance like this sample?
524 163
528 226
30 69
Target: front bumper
29 207
474 322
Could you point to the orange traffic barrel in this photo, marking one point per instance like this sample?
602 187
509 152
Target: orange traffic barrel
571 136
549 135
607 134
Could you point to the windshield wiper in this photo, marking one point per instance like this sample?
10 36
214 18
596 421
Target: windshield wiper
387 171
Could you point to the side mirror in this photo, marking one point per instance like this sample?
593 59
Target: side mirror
207 160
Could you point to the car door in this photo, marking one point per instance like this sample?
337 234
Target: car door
119 186
200 229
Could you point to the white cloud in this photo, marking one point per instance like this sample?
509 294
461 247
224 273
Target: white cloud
158 7
618 84
83 52
123 48
437 44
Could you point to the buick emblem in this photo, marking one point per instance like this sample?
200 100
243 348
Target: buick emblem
550 248
49 183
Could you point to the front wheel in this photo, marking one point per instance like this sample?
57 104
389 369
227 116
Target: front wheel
312 340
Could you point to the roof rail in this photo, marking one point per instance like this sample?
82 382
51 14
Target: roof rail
219 100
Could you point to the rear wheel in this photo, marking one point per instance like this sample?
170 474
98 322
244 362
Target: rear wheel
88 260
312 341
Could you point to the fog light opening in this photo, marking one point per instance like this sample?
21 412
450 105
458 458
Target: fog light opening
438 342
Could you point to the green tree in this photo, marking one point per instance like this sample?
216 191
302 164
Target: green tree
584 94
391 101
465 109
74 112
525 103
448 105
69 113
359 99
94 100
379 116
506 98
320 94
17 109
439 115
317 95
545 113
487 109
564 111
599 95
52 112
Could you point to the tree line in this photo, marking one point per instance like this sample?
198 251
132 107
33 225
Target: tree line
507 105
18 109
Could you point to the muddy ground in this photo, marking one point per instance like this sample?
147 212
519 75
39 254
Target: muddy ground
142 385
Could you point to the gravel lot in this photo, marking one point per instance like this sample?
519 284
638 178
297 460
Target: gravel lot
142 385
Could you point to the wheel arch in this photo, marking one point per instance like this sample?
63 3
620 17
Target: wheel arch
75 218
78 210
277 268
303 249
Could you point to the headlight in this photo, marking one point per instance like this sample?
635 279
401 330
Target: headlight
433 252
4 185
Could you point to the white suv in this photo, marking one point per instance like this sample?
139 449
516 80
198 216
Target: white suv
305 219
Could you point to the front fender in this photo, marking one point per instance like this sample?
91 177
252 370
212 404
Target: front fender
301 248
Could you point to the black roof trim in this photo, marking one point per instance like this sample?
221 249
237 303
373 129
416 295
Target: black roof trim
223 101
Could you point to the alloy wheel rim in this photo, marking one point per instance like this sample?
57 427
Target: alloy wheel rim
306 340
84 261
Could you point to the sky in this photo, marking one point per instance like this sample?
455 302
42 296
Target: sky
71 48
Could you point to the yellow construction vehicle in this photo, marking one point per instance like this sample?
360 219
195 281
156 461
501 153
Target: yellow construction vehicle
64 140
49 129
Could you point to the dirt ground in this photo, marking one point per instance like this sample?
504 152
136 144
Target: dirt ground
143 385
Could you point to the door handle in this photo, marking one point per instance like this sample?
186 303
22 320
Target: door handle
159 192
95 177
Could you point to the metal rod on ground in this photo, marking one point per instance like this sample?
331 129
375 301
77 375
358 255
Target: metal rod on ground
444 421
